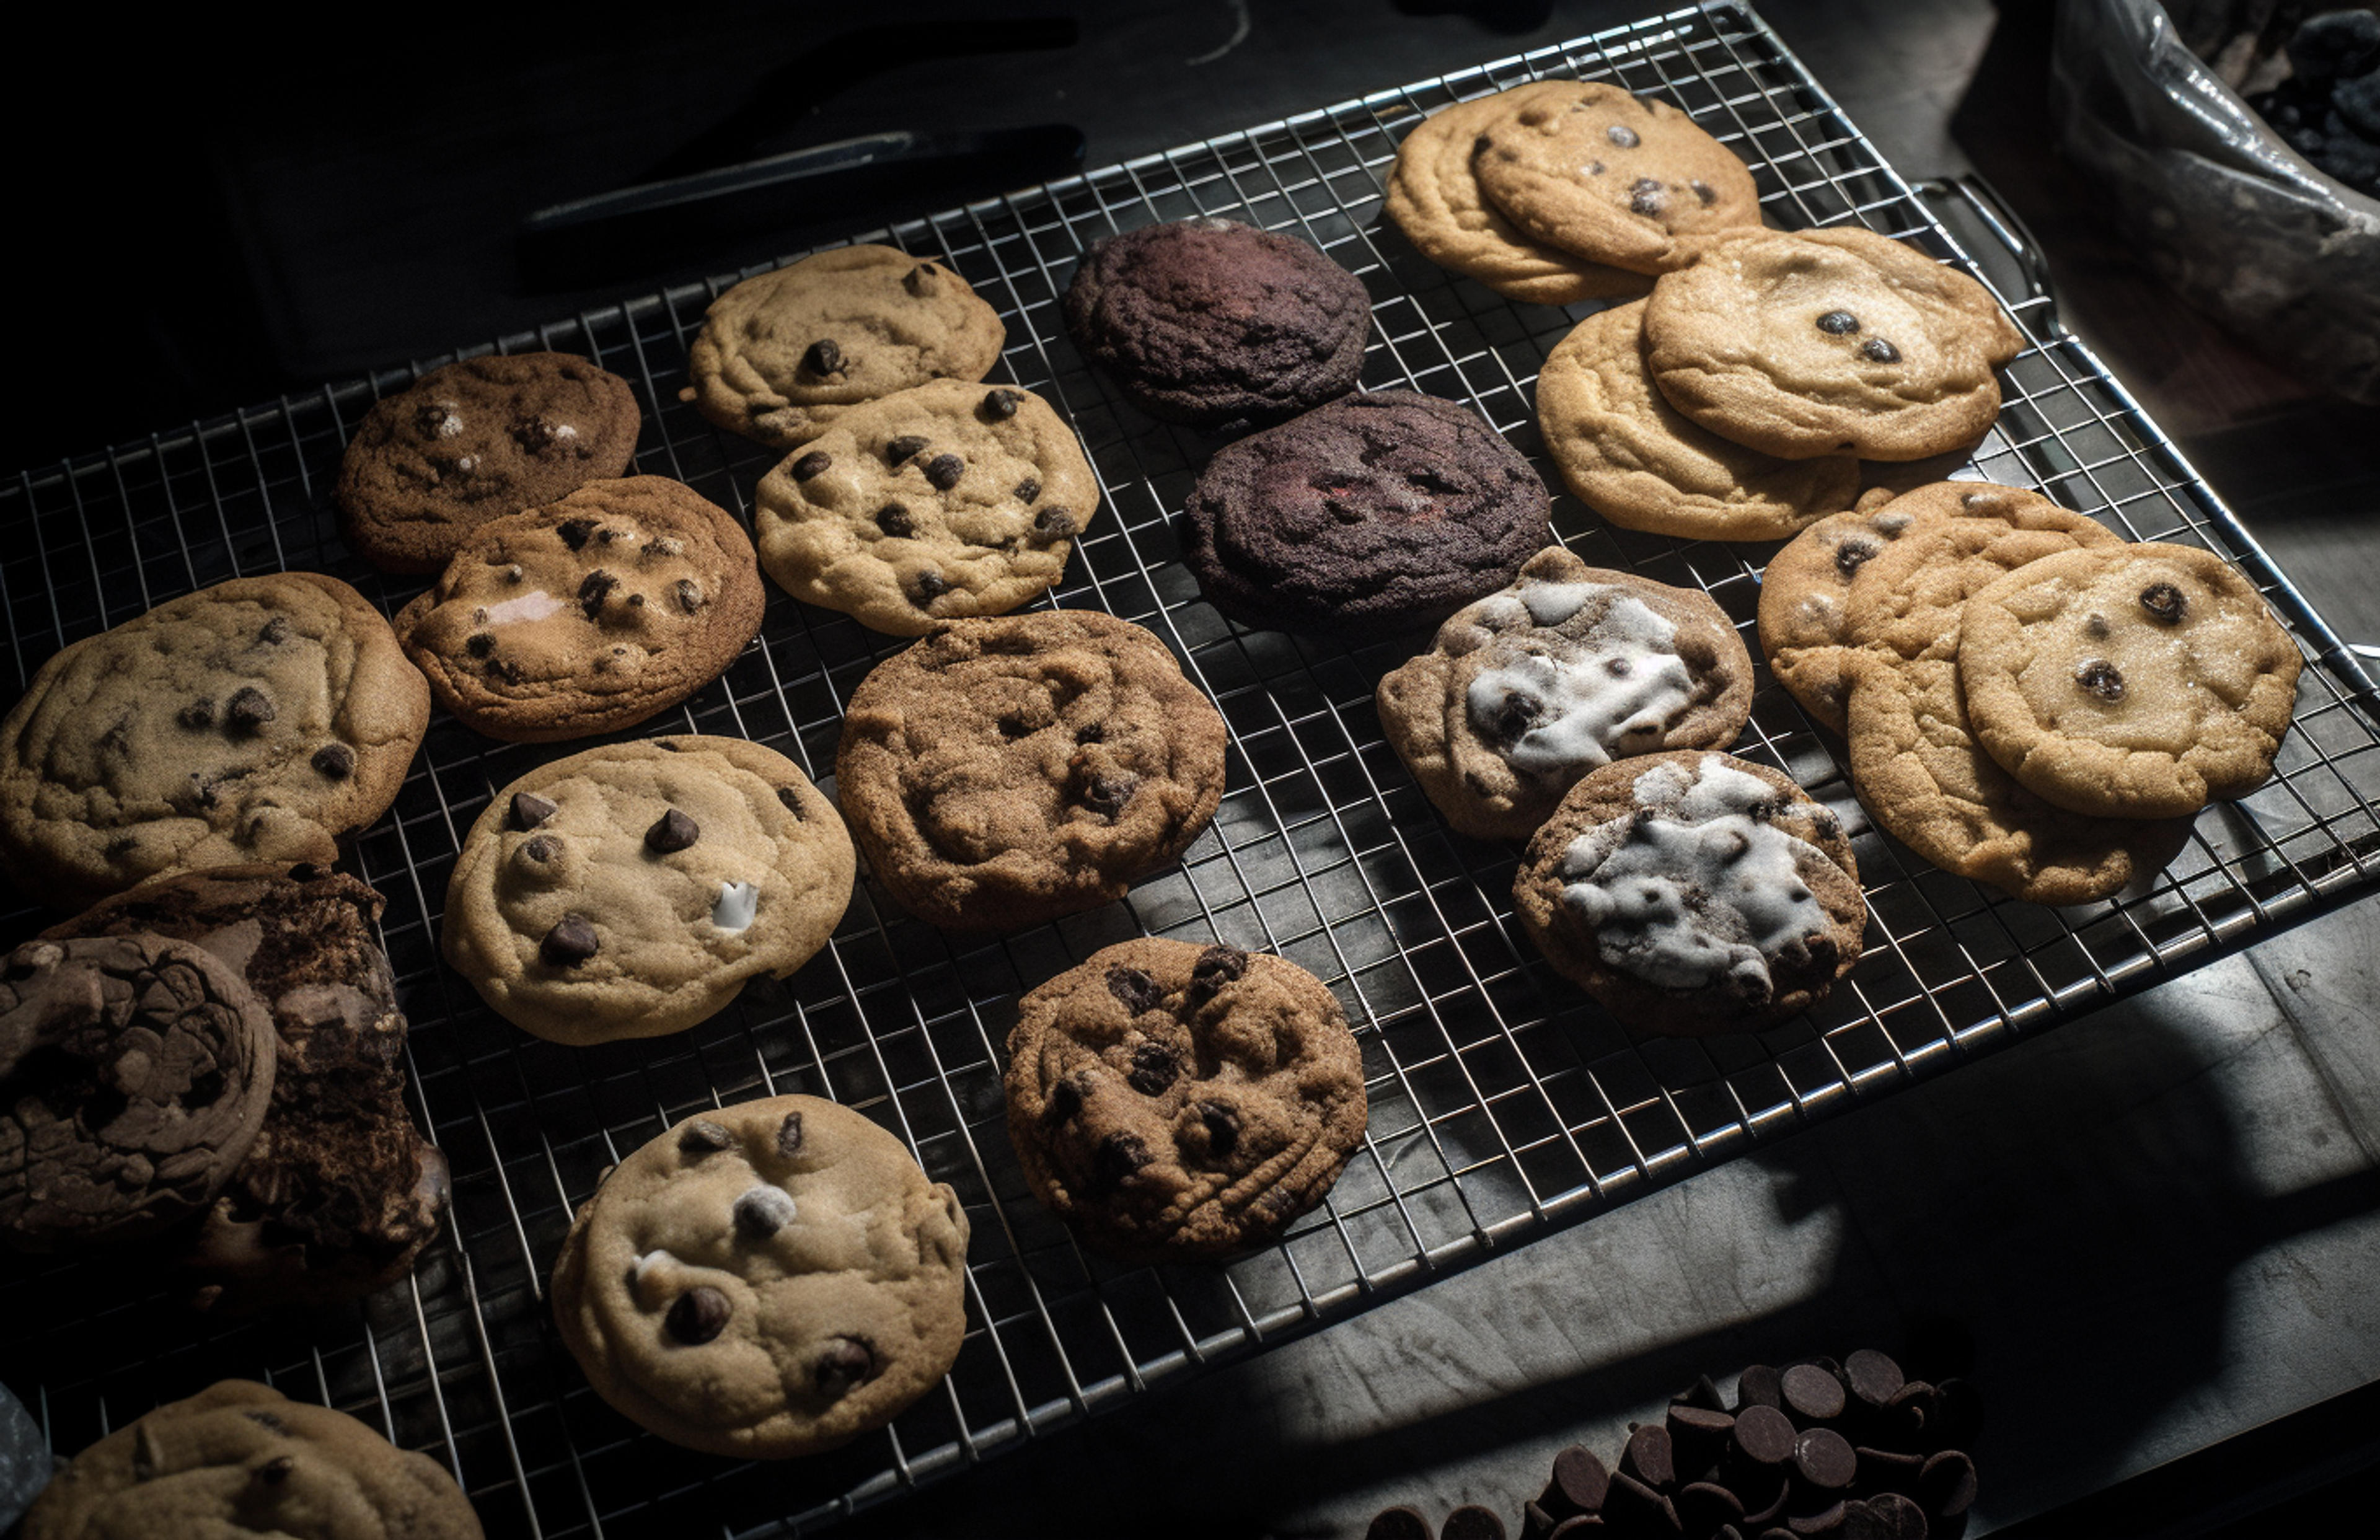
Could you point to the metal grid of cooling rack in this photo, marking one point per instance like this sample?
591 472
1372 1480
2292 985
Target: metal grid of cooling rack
1502 1102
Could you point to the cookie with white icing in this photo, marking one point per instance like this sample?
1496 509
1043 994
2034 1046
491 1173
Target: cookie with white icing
1529 690
630 891
769 1280
1694 893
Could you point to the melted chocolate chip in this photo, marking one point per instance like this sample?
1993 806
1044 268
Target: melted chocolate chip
846 1361
541 849
1001 404
2163 601
1091 733
1215 966
276 1471
529 809
763 1211
1623 135
944 470
1222 1128
275 630
1027 489
703 1137
1137 989
894 519
249 709
1115 1161
336 760
481 644
570 942
1837 324
1514 715
793 801
1645 198
1878 351
1853 555
1154 1069
533 433
823 357
670 832
931 586
1053 523
789 1136
575 532
700 1315
1065 1100
906 447
2101 678
812 463
688 594
198 716
1107 794
593 592
1704 194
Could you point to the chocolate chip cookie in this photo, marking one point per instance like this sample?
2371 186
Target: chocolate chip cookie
933 504
1694 893
589 614
134 1071
476 441
1434 198
1008 770
1829 342
782 356
1588 168
259 720
1569 669
1219 324
340 1192
769 1280
1376 515
239 1458
630 891
1174 1102
2141 681
1627 454
1804 620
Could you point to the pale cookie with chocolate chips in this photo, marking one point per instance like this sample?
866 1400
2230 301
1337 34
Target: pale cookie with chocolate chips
1694 893
590 614
476 441
1627 454
782 356
1829 342
1804 615
766 1280
1174 1102
1434 198
240 1458
1528 691
630 891
1586 167
260 719
2138 682
1006 771
939 502
1908 600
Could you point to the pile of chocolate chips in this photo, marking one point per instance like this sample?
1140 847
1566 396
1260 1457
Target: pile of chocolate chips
2329 109
1852 1450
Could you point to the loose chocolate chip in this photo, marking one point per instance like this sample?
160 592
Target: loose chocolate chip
1645 198
2163 601
1118 1156
1913 1412
763 1211
1878 351
812 463
1702 1392
700 1315
1154 1070
1578 1483
1649 1458
906 447
541 848
198 716
789 1136
275 630
1873 1376
894 519
1217 966
1001 404
791 800
591 592
1632 1505
931 586
276 1471
1704 1506
1824 1459
1758 1385
1623 135
1398 1524
1053 523
823 357
1698 1434
1764 1436
1883 1516
529 809
689 594
570 942
1027 489
336 760
703 1137
944 470
1222 1128
1827 1521
1137 989
249 709
1107 794
845 1363
1836 323
1813 1394
1947 1484
2102 678
918 280
575 532
1472 1521
1704 193
670 832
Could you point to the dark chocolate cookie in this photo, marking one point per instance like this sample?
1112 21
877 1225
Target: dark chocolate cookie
1371 515
340 1192
1216 323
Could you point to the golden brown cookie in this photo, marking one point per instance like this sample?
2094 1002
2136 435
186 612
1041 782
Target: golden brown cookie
1803 619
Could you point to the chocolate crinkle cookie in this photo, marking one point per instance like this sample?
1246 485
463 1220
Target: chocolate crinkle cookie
1376 515
1177 1102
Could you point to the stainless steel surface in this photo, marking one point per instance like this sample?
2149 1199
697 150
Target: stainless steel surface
1503 1104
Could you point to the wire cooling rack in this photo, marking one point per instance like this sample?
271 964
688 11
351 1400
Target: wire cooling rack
1502 1102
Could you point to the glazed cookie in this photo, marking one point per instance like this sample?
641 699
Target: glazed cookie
630 891
1372 515
240 1458
1586 167
340 1192
1435 200
1628 455
1570 668
782 355
474 441
933 504
259 720
1175 1102
2138 682
1006 771
134 1073
1219 324
766 1280
1926 781
586 616
1804 620
1694 893
1829 342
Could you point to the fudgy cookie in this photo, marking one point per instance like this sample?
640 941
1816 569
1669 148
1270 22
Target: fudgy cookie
630 891
259 720
782 356
586 616
933 504
1005 771
1694 893
1174 1102
2142 680
134 1073
476 441
1372 515
1630 455
1572 667
1219 324
1586 167
1829 342
1435 199
340 1192
240 1458
769 1280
